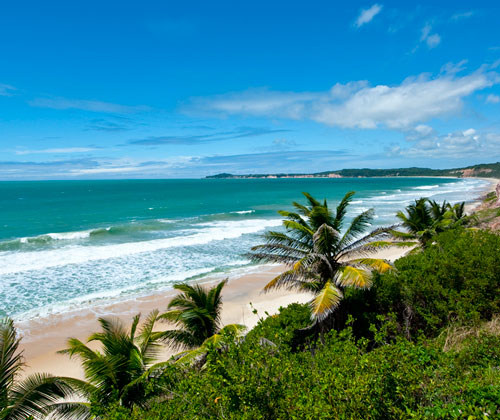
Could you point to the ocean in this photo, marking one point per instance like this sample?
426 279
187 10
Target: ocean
66 245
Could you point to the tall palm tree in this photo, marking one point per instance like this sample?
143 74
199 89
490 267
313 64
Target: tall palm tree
35 396
115 372
321 256
424 218
196 313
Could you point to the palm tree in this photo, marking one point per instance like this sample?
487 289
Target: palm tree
116 372
220 342
320 259
196 312
423 219
35 396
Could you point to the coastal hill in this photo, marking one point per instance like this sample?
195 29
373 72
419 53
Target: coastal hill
488 170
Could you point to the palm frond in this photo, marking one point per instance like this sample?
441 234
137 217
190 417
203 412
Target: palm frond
148 340
133 328
293 216
286 280
312 201
35 395
269 255
71 410
178 339
376 264
325 302
11 361
341 210
359 245
349 276
301 231
378 245
325 239
358 225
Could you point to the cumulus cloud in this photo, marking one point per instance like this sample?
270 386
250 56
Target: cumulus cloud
356 104
457 144
367 15
86 105
432 40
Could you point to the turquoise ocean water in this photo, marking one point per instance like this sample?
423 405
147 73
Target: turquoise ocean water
71 244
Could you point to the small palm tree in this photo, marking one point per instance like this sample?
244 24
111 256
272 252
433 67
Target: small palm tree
35 396
115 372
424 219
220 342
321 256
196 313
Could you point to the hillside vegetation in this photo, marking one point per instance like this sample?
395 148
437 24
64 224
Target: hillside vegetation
488 170
423 343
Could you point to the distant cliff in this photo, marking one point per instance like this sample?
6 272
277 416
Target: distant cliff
487 170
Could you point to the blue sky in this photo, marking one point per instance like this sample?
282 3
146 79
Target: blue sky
187 89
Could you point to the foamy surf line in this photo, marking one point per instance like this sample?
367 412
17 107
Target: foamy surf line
27 261
106 303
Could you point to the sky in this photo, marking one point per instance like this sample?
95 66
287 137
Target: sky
185 89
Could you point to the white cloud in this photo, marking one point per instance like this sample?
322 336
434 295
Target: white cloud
432 40
357 104
367 15
85 105
97 171
493 99
423 130
458 144
56 151
462 15
114 168
6 90
454 68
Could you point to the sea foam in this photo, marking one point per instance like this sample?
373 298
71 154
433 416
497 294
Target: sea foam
11 262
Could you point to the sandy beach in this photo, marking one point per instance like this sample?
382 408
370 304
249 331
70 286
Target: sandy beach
44 336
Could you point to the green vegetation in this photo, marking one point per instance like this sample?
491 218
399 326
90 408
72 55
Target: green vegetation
489 170
442 362
196 314
424 219
320 259
32 397
423 342
117 373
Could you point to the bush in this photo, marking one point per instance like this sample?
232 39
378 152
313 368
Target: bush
456 280
341 380
395 360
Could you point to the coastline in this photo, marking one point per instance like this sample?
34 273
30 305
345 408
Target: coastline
474 204
44 336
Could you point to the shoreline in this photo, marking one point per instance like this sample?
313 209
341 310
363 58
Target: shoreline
241 296
42 337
